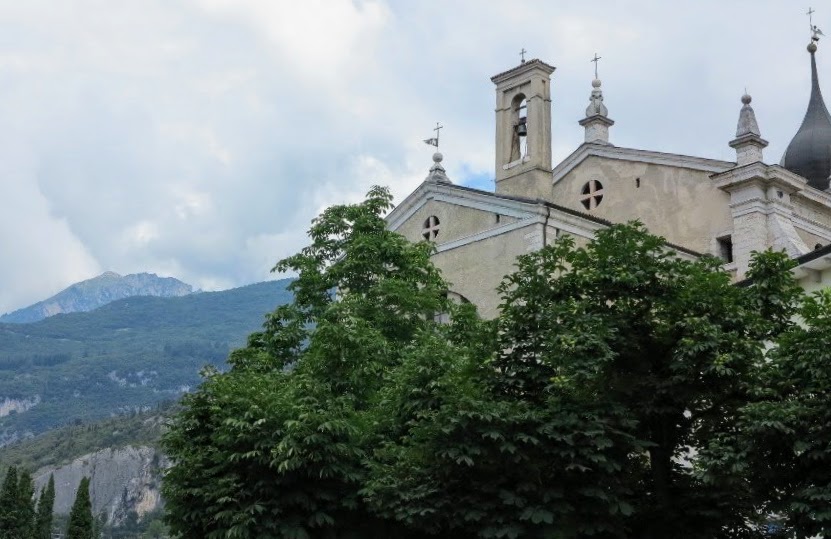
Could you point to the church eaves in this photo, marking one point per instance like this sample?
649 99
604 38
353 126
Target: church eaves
536 62
809 153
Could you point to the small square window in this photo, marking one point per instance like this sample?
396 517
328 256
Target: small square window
725 248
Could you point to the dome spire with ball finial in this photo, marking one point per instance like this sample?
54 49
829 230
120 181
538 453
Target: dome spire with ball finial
809 153
437 173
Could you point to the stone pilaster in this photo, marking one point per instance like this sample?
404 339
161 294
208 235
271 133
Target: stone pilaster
762 212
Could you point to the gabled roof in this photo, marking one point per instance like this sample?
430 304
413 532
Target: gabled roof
515 206
608 151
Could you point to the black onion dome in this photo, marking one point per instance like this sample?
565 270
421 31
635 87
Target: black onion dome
809 153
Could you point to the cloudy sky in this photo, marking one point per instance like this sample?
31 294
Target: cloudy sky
197 138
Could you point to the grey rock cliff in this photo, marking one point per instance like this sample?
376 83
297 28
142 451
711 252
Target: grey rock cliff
98 291
121 480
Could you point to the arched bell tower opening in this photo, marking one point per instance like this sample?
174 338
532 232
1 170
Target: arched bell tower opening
519 143
523 130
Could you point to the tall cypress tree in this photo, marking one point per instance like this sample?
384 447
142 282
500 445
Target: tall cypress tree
9 504
81 522
46 503
25 518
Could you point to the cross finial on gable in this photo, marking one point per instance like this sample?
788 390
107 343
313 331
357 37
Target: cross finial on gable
434 141
522 55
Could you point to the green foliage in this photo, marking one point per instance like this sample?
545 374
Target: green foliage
156 529
276 447
61 446
8 504
609 399
461 460
784 438
17 506
45 508
81 522
25 514
627 326
128 355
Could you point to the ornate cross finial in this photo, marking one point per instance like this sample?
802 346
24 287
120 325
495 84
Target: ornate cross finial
595 60
815 32
434 141
522 55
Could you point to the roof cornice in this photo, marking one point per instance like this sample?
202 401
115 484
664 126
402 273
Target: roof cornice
530 65
608 151
759 171
505 204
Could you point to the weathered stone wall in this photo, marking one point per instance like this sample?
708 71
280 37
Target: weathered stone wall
455 221
680 204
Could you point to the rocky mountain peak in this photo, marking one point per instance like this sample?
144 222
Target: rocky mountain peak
98 291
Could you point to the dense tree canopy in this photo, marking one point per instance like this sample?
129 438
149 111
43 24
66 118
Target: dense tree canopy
623 391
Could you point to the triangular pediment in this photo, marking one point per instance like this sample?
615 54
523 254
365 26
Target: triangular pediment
608 151
463 197
453 216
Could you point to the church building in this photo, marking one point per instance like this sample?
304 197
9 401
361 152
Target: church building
700 205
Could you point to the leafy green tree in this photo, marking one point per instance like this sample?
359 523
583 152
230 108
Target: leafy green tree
613 361
783 442
577 413
45 509
626 324
277 446
81 522
462 461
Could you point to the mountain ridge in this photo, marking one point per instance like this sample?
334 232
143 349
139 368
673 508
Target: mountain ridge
90 294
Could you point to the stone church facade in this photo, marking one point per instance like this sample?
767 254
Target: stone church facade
700 205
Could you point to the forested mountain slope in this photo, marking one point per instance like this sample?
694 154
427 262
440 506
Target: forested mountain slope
128 355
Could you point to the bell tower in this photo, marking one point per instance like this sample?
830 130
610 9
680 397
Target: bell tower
523 130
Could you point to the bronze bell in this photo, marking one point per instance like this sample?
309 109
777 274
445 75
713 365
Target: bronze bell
522 128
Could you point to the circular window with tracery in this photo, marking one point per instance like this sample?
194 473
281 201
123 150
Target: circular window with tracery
431 228
592 194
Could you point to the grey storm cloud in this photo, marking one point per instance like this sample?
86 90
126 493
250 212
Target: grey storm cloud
198 138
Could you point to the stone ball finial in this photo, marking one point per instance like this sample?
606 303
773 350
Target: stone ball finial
437 157
812 47
596 83
746 99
